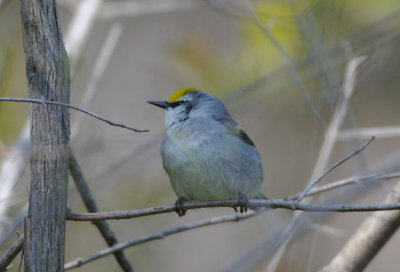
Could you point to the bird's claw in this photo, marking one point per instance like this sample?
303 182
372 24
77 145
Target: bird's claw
180 207
242 203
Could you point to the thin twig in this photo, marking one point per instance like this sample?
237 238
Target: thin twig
120 9
98 71
275 244
253 204
11 253
91 205
244 9
293 72
224 219
282 203
381 132
365 180
78 31
158 235
290 67
316 49
354 153
338 117
335 124
44 102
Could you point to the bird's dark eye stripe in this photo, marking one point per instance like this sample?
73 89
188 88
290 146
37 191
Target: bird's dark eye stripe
176 103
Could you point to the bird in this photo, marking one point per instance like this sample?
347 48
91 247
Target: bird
205 153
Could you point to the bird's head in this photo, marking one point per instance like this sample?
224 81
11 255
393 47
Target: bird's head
190 103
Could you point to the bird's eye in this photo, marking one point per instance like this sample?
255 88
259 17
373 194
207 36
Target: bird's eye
176 103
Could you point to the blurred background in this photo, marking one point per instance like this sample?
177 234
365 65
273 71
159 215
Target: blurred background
279 66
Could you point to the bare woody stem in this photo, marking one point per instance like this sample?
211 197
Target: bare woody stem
368 240
47 102
354 153
253 204
11 253
47 70
365 180
158 235
91 205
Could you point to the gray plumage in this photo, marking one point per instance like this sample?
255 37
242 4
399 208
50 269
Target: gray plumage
206 154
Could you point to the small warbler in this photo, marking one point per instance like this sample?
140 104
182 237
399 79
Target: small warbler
205 153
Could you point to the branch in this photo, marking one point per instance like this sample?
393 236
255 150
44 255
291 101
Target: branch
312 184
99 67
270 246
79 27
365 180
230 218
381 132
368 240
91 206
338 117
44 102
47 71
252 204
170 208
84 21
158 235
292 71
244 9
11 253
119 9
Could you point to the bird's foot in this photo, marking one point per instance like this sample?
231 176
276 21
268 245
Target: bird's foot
242 203
180 206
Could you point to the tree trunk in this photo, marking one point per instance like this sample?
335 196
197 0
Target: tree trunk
47 71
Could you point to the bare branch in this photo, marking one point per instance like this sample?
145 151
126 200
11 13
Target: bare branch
91 205
245 10
44 102
252 204
381 132
11 253
112 10
365 180
98 71
292 71
170 208
338 117
158 235
370 237
78 30
270 247
354 153
81 20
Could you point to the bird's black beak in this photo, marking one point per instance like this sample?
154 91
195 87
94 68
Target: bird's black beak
159 103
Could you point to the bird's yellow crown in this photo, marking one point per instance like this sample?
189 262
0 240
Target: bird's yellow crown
179 93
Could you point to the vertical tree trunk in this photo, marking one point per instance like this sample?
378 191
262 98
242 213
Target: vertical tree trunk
48 78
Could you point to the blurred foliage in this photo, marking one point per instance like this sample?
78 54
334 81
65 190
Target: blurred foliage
14 114
8 127
303 28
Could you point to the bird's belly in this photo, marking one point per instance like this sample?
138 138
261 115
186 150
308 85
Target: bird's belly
198 173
